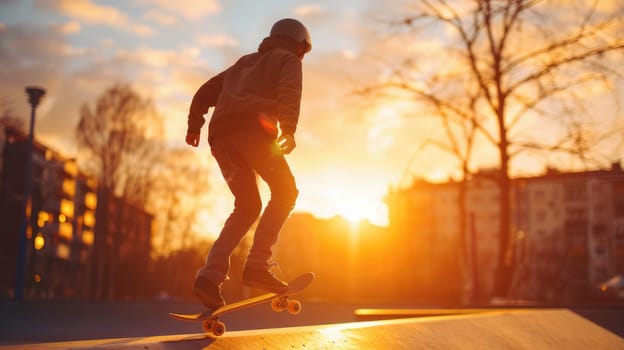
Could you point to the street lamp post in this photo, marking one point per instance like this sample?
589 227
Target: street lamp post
34 97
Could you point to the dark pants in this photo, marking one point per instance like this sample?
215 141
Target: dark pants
242 156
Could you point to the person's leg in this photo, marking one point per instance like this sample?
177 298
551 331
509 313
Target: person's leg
276 173
264 157
241 180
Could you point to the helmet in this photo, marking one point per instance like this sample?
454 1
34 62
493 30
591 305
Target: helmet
293 29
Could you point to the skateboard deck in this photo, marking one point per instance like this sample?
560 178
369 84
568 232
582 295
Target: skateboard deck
279 302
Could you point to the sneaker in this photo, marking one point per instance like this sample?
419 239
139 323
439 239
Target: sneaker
264 279
208 293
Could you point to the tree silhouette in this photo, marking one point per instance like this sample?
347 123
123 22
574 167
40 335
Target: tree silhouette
181 179
119 140
7 116
507 64
121 144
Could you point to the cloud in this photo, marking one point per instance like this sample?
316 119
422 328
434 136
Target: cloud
72 27
308 10
88 12
216 40
148 58
141 30
33 56
27 47
190 10
161 17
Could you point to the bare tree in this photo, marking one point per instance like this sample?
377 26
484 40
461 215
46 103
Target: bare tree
7 116
508 64
180 180
460 128
119 141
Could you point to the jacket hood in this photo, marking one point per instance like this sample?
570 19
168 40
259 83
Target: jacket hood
270 43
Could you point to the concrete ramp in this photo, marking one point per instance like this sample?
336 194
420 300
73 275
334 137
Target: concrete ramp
514 329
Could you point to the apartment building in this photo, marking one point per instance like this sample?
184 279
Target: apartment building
567 231
64 249
572 233
426 220
61 221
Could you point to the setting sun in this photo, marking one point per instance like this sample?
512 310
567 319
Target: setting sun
355 197
359 209
355 207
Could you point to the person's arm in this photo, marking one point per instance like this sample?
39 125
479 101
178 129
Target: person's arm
205 97
289 101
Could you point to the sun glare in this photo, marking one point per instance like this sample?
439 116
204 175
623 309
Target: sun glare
438 175
356 209
354 199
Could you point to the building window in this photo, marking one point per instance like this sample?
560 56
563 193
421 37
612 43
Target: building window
495 198
597 188
65 230
89 218
90 200
602 273
71 168
539 194
600 249
87 237
69 188
575 193
43 219
618 208
63 251
619 234
540 216
67 208
600 229
576 214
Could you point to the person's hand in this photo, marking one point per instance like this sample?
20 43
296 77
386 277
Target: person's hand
286 143
192 139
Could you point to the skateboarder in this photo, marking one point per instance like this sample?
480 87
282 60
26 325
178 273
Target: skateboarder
252 127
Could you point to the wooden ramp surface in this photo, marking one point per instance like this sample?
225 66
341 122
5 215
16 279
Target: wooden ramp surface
513 329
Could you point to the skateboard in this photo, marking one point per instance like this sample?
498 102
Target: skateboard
279 302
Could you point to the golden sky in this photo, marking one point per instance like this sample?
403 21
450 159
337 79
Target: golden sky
351 149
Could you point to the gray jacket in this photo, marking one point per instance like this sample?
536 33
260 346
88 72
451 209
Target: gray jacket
258 91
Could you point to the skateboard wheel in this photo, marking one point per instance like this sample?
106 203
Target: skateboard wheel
294 307
218 328
276 305
207 326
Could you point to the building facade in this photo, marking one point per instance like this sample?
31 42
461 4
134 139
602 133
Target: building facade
572 233
567 232
60 229
122 248
427 222
62 239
